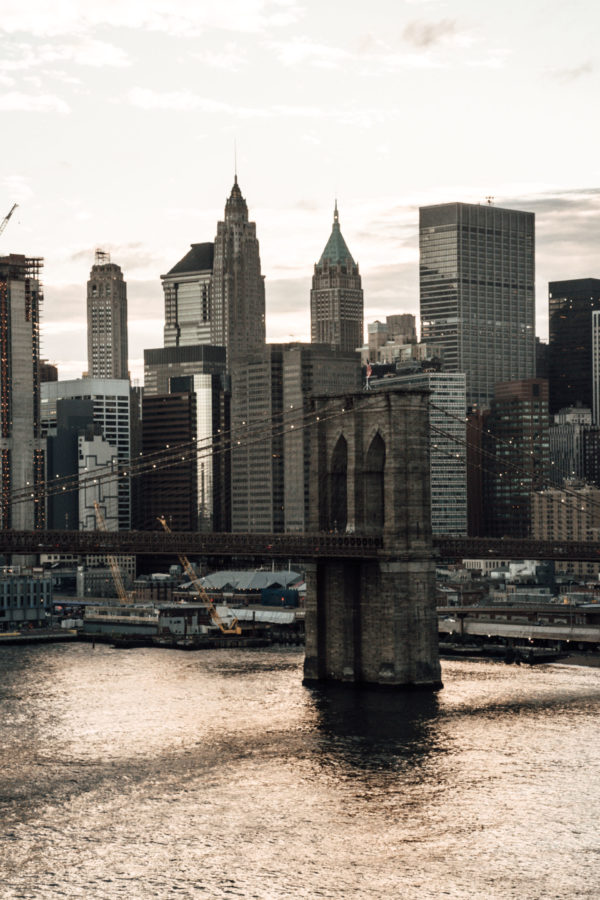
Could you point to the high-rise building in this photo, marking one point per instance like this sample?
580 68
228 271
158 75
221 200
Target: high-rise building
238 287
566 437
516 456
22 449
571 304
107 320
161 364
447 447
568 514
477 277
257 478
112 412
336 297
188 301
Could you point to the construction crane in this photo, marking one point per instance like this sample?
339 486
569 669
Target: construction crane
122 594
234 627
6 218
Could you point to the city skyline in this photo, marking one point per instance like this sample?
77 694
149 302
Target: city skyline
420 103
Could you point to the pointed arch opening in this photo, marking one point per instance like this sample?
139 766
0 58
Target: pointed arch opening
338 483
374 483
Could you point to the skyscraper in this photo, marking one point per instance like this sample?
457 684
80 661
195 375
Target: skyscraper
238 288
571 304
22 449
336 297
107 320
477 276
188 302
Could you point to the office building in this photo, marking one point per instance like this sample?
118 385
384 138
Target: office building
336 297
193 416
570 307
596 367
516 456
477 278
308 370
568 514
188 301
238 287
566 443
163 363
447 448
112 411
107 320
25 599
257 475
22 449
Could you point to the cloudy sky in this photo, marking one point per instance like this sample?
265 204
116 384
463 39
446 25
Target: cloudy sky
120 118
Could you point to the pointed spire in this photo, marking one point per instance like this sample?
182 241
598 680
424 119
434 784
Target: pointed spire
236 207
336 250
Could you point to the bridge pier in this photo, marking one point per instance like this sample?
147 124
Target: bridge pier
373 621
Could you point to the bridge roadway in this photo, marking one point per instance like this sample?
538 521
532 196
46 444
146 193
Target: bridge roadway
283 546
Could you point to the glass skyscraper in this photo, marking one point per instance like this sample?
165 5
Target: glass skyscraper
477 277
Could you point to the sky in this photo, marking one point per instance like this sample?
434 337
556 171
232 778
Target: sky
120 120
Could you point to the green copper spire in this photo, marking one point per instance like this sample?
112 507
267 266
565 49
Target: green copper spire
336 250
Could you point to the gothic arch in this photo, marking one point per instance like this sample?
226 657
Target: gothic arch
338 486
374 484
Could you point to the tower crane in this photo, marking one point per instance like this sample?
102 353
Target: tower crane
6 218
234 628
122 594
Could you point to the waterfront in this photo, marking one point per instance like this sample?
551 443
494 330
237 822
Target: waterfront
152 773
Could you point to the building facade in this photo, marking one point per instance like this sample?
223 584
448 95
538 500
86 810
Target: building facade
477 300
516 456
238 287
336 297
188 298
112 411
107 320
22 449
163 363
570 307
568 514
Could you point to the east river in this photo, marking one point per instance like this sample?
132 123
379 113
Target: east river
156 774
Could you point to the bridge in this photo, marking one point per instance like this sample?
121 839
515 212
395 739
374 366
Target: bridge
317 545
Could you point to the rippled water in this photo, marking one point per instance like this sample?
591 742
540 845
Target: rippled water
153 773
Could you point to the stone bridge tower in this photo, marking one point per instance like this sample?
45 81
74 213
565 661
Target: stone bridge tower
373 620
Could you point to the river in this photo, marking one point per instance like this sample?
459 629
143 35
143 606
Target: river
155 774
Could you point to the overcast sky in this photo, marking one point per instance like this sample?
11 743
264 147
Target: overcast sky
119 120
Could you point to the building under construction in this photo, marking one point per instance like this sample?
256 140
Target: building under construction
22 449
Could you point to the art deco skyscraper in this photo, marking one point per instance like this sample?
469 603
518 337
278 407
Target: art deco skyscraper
336 298
107 320
477 276
238 288
22 448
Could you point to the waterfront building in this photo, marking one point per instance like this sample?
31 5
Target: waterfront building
477 281
516 455
107 320
308 370
447 447
24 599
112 411
22 448
571 304
336 297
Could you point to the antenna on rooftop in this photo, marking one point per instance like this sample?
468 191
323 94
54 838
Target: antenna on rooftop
102 258
490 200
